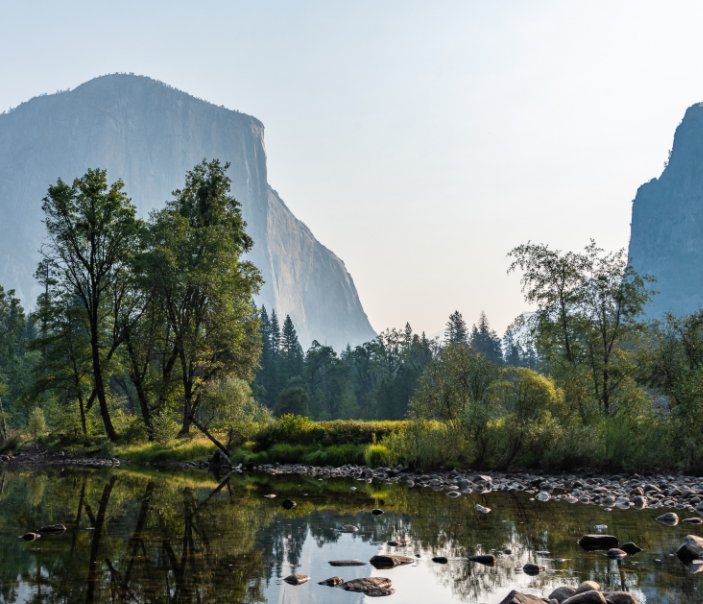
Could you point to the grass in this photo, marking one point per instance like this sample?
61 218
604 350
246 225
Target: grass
196 448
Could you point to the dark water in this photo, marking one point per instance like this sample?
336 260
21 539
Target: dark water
154 538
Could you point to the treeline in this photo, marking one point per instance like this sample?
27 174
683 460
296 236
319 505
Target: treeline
375 380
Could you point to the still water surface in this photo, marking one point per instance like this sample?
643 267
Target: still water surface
135 537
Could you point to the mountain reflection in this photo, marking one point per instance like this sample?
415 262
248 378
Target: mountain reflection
151 538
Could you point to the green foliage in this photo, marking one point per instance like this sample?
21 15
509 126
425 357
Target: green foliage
377 455
165 427
37 423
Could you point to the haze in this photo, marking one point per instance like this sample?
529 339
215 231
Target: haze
420 141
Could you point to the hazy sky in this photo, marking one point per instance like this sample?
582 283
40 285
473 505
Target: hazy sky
420 141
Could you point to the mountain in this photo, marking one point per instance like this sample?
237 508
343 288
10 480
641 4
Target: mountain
149 134
666 236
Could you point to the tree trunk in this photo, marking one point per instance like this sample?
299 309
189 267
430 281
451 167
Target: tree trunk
98 378
223 450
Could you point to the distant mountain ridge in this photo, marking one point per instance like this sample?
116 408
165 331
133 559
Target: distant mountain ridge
149 134
666 236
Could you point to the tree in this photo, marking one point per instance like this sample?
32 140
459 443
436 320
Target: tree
485 341
456 332
588 310
290 353
204 286
92 232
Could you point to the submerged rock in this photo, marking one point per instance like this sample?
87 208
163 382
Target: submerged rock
347 563
348 528
532 569
52 529
30 536
296 579
376 512
670 518
630 548
482 509
289 504
440 559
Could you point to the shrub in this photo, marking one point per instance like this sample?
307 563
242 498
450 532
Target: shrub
377 455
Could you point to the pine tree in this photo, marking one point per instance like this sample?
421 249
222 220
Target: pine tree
456 332
485 341
291 353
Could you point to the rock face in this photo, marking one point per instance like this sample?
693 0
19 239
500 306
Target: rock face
667 222
149 134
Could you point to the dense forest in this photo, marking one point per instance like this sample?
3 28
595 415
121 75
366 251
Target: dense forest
147 329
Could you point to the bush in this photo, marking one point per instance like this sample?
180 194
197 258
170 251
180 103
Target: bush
165 427
377 455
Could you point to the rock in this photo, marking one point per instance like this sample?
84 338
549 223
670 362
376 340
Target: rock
691 549
532 569
543 496
347 563
515 597
390 560
52 529
670 518
596 542
487 559
482 509
639 501
562 593
587 586
371 586
586 597
348 528
620 597
630 548
376 512
398 543
289 504
332 581
30 536
270 496
440 559
616 553
693 520
296 579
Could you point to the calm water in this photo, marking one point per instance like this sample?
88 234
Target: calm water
155 538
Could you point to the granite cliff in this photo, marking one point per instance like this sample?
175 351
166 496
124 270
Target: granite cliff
666 237
149 134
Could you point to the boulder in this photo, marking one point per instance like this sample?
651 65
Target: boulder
440 559
376 512
30 536
620 597
691 549
596 542
586 597
371 586
390 560
347 563
515 597
288 504
562 593
296 579
587 586
616 553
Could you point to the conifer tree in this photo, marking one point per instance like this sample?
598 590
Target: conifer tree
456 332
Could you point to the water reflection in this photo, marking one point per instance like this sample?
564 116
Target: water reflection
183 539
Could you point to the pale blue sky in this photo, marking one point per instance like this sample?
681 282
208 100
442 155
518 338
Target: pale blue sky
420 141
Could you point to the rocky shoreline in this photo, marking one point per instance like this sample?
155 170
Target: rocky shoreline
622 491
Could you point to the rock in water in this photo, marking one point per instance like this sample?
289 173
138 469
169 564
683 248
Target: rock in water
562 593
52 529
347 563
121 123
487 559
586 597
670 518
620 597
482 509
667 222
296 579
515 597
597 542
332 581
532 569
691 549
30 536
390 560
371 586
288 504
630 548
616 553
440 559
